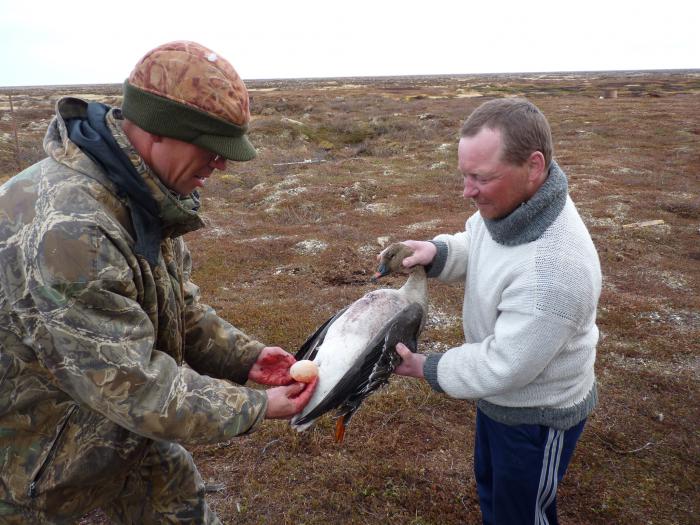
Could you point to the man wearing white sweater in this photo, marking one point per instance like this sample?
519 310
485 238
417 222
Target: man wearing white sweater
532 282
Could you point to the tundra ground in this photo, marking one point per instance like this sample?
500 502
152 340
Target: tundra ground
347 165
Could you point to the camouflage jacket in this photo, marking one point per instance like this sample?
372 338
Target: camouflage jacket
99 352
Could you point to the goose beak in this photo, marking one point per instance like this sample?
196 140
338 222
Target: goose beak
381 272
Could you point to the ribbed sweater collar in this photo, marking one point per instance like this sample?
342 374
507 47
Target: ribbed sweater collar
156 212
529 220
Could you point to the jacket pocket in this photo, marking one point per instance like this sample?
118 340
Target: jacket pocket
36 478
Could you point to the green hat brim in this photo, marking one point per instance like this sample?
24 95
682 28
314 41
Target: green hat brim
162 116
232 148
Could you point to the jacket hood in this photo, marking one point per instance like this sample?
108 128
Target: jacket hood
178 215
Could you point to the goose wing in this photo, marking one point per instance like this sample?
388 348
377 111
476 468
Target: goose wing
373 367
309 349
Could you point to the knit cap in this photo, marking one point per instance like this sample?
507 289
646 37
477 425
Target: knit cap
188 92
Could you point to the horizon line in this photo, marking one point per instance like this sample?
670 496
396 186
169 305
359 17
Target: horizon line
387 77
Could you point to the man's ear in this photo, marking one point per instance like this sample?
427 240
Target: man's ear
536 167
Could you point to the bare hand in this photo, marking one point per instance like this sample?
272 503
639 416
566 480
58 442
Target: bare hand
423 253
411 364
283 402
272 367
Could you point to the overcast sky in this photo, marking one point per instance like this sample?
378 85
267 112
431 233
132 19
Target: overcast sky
88 42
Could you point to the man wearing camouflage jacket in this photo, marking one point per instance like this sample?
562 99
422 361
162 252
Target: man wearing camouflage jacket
109 363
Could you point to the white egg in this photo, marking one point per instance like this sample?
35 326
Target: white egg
304 371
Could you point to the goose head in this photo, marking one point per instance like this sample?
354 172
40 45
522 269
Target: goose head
391 260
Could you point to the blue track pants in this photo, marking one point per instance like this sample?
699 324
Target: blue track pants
518 469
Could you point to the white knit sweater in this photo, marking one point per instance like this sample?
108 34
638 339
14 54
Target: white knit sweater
529 322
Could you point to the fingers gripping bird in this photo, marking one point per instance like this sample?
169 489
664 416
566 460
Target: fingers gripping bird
355 350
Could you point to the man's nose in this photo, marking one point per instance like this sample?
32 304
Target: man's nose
470 189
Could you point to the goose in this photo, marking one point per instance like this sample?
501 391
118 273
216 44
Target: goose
355 350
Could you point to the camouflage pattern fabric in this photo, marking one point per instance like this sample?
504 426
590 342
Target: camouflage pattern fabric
191 74
100 354
165 488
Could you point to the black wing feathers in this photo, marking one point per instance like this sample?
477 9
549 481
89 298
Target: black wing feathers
308 350
403 328
373 370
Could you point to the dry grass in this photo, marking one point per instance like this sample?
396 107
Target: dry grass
289 242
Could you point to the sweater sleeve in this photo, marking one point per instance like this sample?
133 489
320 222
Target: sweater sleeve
529 319
450 263
430 371
97 342
520 348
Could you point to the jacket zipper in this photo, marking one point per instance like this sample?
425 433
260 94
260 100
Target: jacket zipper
50 455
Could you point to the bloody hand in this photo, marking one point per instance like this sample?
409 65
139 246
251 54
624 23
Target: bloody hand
283 402
272 367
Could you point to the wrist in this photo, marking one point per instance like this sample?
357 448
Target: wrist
437 263
430 371
420 362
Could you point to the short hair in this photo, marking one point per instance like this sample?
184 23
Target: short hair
524 128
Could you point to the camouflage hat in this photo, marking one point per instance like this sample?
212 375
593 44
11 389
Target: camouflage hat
188 92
